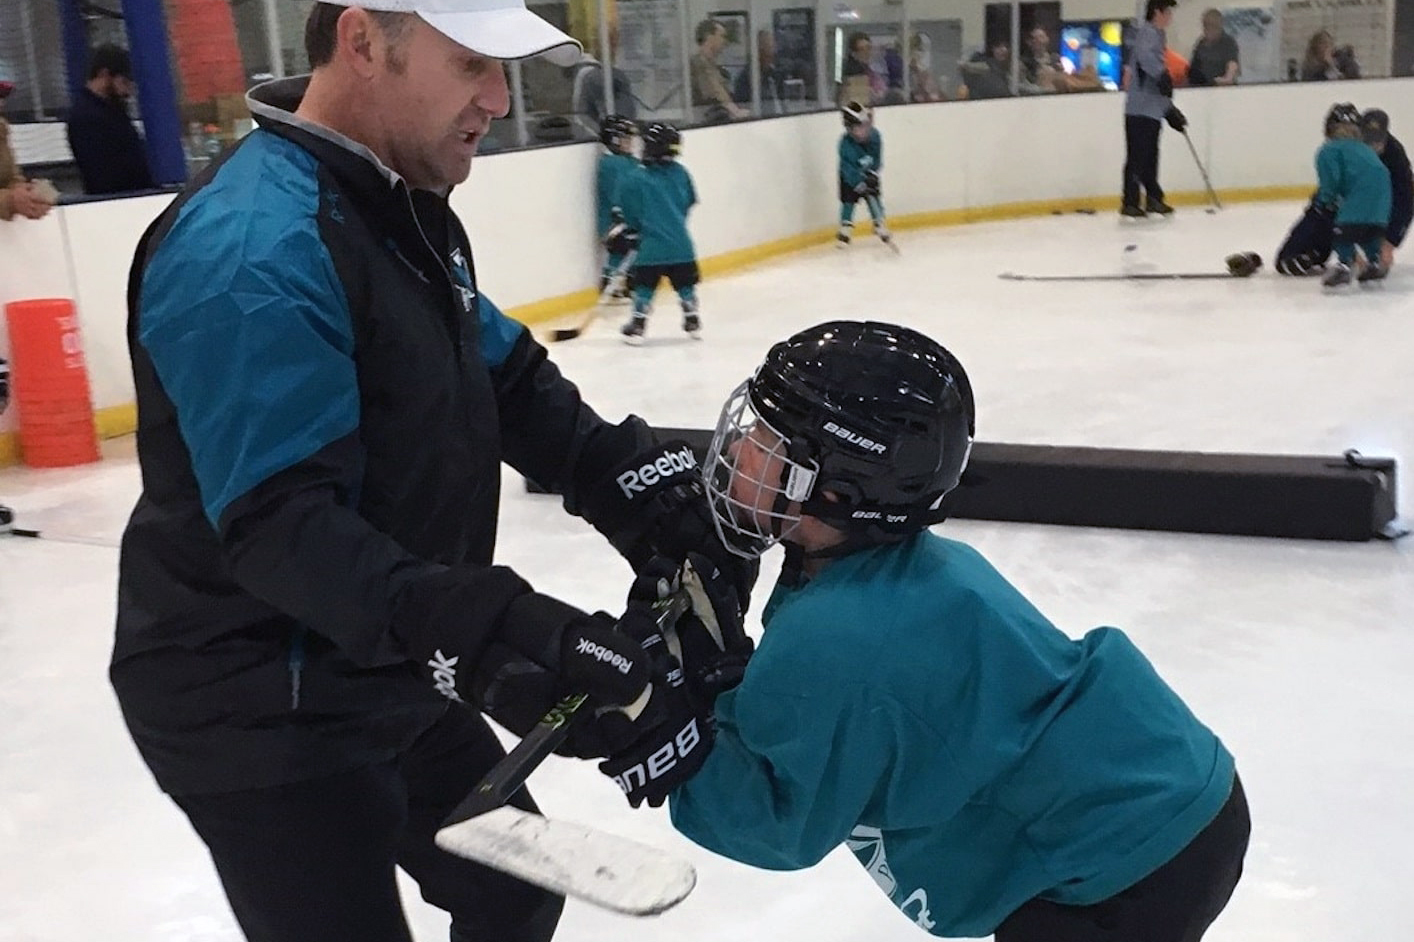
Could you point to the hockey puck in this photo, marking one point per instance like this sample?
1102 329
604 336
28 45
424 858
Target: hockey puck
1131 248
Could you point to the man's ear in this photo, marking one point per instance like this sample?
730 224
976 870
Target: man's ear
354 40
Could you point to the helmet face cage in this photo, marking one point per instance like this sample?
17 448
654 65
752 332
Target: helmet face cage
754 488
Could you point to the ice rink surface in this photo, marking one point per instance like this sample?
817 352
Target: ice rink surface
1298 653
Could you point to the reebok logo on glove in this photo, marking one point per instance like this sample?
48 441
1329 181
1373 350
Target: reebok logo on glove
444 674
600 653
637 480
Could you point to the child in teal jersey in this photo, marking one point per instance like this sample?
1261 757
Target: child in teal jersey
993 775
1351 177
655 200
861 159
618 135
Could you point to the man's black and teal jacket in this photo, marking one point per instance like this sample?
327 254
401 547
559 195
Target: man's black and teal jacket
324 404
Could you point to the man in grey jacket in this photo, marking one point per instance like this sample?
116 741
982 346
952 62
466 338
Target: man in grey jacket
1148 100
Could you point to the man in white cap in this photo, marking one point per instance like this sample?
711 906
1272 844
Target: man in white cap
309 622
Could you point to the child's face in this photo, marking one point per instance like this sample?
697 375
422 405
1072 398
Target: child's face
757 469
860 132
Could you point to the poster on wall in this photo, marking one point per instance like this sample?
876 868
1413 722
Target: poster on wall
1360 30
1258 36
794 29
651 55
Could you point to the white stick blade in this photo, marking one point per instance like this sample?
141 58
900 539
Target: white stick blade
585 863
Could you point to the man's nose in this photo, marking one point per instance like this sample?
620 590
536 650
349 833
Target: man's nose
495 96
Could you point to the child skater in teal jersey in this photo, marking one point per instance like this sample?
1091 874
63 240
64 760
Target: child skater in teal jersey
618 135
861 159
1352 179
655 200
993 775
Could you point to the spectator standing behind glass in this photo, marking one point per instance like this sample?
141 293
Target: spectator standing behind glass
1324 62
988 74
772 81
711 100
1148 100
107 149
857 72
1215 55
923 86
587 97
18 197
1041 70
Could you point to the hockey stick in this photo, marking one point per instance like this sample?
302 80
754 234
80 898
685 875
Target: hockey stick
615 283
574 860
1137 276
1206 182
876 212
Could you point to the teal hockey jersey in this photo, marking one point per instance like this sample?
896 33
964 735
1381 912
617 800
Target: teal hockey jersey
655 199
610 173
1351 177
855 158
909 702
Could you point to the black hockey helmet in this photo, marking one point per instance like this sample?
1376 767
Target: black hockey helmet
879 416
1340 114
854 114
616 132
661 143
1374 126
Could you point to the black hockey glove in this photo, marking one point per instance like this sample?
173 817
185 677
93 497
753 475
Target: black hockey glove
4 384
654 504
1176 119
621 239
871 183
1322 211
709 640
1165 83
669 740
547 651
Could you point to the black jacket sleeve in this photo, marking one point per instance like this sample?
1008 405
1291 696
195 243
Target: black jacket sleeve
295 542
550 435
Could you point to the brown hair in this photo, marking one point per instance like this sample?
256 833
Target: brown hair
321 30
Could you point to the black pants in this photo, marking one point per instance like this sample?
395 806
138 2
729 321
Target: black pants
1141 158
1175 903
315 860
1308 244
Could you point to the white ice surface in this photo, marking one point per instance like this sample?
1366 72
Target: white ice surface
1298 654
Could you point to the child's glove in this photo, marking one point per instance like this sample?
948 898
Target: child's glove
709 640
672 736
871 183
1176 119
621 238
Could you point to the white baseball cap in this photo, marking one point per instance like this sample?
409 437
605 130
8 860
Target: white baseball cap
499 29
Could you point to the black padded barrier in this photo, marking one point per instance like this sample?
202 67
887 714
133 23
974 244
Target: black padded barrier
1344 497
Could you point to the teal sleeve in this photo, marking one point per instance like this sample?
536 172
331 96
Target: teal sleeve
249 329
849 169
878 151
604 189
794 770
780 788
1328 176
628 198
